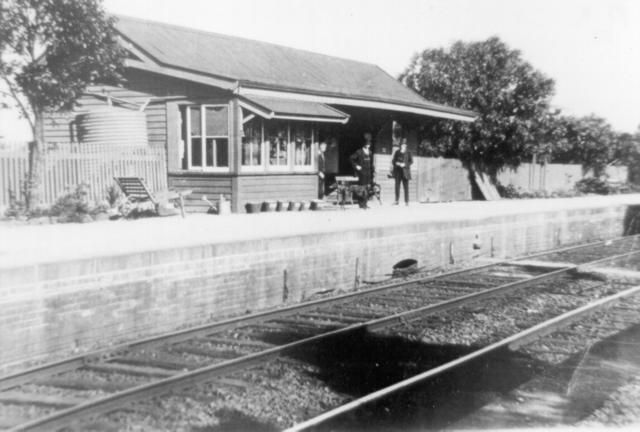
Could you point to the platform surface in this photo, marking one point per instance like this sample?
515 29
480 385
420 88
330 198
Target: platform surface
30 244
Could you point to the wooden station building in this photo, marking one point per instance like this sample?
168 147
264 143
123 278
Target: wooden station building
243 118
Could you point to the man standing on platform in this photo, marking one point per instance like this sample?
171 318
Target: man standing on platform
322 168
362 161
401 162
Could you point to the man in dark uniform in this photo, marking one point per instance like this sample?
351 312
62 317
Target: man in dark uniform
401 162
362 161
322 168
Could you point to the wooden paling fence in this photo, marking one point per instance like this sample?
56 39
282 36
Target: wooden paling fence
433 179
554 177
64 166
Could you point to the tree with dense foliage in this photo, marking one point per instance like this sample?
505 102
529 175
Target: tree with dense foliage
589 141
627 152
50 51
509 95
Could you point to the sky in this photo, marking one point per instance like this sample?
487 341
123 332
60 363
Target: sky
591 48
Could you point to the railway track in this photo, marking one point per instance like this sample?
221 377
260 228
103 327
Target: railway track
608 307
155 366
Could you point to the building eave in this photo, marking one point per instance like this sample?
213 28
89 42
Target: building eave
330 99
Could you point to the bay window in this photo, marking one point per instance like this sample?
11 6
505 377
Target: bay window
276 145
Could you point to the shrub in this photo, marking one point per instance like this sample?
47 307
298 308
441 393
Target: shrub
17 208
74 206
512 192
592 185
102 207
114 195
508 191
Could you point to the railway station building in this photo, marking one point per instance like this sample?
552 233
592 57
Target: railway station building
243 118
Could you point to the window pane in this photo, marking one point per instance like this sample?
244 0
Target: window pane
303 153
216 121
195 120
196 152
276 136
251 154
209 152
222 152
301 136
184 142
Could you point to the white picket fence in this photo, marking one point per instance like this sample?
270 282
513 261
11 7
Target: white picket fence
64 166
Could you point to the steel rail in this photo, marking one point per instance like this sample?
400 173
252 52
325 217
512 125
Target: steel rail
511 342
105 404
75 362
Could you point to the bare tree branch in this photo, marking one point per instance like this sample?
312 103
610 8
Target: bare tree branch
23 108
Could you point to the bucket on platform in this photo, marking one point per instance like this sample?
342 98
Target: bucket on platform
315 205
252 207
268 206
282 205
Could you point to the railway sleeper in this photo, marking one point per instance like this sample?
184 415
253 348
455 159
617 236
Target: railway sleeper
388 300
156 363
56 401
235 383
542 265
450 292
362 312
308 323
303 330
129 370
248 343
510 276
82 384
413 292
207 352
406 298
462 283
339 319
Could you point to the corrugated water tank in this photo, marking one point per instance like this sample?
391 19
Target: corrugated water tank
113 125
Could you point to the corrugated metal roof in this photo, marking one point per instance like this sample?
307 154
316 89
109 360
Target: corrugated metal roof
265 65
285 107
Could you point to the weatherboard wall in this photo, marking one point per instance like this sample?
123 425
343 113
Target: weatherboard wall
137 89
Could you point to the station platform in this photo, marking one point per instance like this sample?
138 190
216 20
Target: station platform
72 287
31 244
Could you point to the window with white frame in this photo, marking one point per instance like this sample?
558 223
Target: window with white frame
205 134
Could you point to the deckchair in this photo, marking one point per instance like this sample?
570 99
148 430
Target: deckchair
136 191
